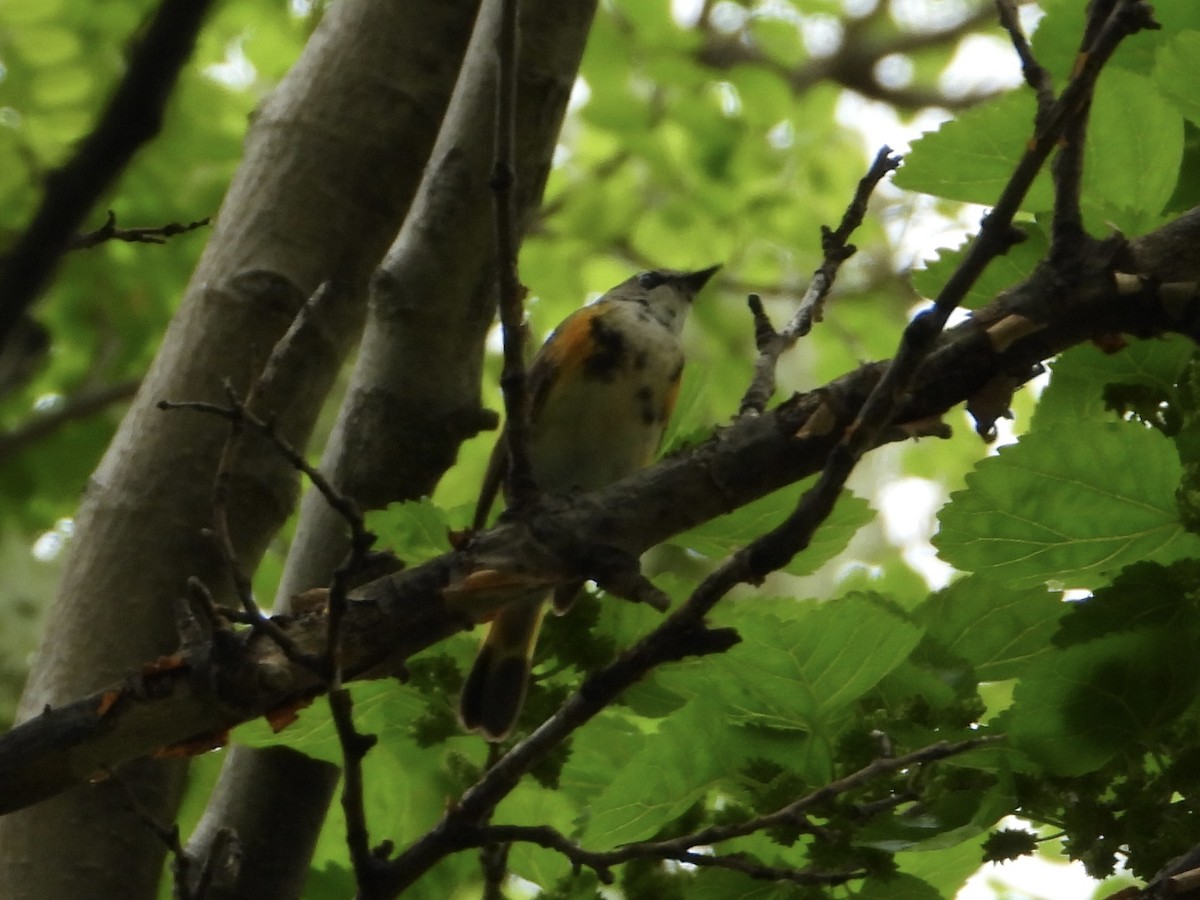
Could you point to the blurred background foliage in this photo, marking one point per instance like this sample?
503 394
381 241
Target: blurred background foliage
699 132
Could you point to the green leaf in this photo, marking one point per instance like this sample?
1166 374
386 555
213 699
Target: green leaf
1068 506
800 663
671 773
414 530
1078 377
721 536
1175 73
1076 708
1014 266
946 869
898 887
608 744
1143 596
49 45
779 38
997 630
531 804
722 884
693 753
945 819
766 97
971 158
1131 171
329 882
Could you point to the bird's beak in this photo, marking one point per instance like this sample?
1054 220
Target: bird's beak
693 281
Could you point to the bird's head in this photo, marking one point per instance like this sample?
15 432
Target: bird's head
666 293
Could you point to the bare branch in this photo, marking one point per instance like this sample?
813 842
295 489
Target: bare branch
1035 74
682 848
772 344
110 232
181 861
396 616
239 416
133 116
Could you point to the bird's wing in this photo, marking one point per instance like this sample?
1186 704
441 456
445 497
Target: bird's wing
539 379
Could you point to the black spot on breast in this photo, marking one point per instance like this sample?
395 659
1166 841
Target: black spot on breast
646 405
608 351
640 361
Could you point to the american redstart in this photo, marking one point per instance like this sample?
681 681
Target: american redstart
601 391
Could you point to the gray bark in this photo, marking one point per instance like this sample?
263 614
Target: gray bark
415 396
331 164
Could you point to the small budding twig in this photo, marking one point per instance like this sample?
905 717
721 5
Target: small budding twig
772 344
110 232
240 417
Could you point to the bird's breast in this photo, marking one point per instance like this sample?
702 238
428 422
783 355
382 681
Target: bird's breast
605 413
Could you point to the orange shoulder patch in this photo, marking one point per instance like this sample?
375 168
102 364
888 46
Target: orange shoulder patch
566 350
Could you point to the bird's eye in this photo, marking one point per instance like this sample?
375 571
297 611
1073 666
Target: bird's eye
651 280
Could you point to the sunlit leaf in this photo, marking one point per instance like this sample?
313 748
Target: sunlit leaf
1068 506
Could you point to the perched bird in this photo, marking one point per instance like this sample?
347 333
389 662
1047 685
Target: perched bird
601 392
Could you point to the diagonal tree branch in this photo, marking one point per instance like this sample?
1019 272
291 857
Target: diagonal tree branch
133 117
681 848
166 710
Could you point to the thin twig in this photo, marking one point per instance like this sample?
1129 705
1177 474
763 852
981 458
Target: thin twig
1034 73
239 416
1067 233
181 863
355 747
520 486
354 744
772 344
346 507
110 232
793 814
133 116
601 862
253 614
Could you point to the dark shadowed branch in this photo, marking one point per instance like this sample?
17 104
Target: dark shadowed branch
133 116
682 848
109 231
521 489
388 620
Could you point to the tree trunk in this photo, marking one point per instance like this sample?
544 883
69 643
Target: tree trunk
414 396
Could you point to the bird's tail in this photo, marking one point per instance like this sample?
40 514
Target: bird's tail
495 688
